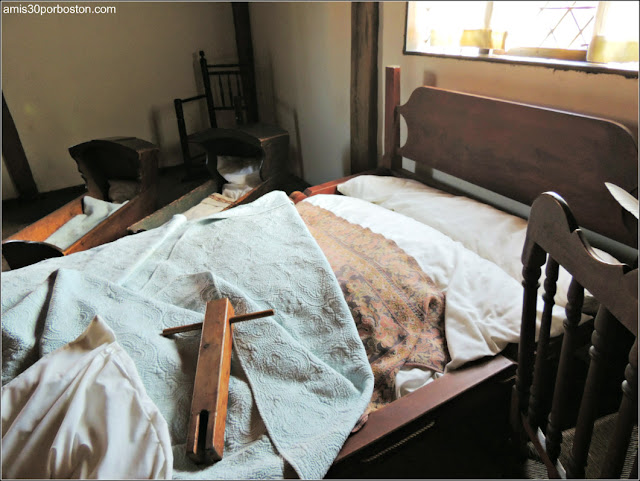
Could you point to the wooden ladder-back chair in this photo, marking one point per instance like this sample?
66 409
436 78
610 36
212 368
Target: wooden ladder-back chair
545 389
224 90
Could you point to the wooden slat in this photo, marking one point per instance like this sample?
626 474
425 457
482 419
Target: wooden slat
43 228
330 187
627 417
114 226
532 260
178 206
14 156
427 399
541 389
364 85
244 44
390 159
600 353
560 404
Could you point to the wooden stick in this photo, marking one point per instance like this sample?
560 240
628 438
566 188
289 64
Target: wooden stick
198 325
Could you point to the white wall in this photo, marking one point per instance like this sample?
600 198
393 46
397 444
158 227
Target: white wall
69 78
303 66
302 54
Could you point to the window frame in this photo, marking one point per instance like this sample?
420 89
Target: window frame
555 64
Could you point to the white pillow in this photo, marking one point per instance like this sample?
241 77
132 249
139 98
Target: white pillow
123 190
95 211
489 232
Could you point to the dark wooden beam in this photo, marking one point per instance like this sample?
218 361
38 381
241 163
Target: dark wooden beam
14 156
364 86
244 44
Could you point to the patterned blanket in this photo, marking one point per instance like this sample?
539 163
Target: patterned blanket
398 310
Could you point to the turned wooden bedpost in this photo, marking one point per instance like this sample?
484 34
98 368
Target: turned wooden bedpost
532 259
390 159
540 398
627 417
559 409
602 345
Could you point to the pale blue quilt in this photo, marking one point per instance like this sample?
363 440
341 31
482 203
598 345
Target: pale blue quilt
300 379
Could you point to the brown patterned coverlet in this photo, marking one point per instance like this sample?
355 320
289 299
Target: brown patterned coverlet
397 308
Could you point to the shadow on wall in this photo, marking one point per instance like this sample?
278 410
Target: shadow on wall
346 161
162 119
288 116
275 111
429 79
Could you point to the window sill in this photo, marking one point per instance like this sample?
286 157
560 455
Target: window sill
556 64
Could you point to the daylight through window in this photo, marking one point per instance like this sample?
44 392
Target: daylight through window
598 33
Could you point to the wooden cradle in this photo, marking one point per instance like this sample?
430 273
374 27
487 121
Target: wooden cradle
268 143
517 151
99 161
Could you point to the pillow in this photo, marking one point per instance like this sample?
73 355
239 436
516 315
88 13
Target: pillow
122 190
489 232
95 211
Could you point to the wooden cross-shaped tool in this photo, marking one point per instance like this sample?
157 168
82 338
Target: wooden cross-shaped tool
205 438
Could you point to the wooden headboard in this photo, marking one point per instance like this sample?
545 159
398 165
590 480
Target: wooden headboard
516 150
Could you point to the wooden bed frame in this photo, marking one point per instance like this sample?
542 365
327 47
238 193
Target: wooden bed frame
123 158
518 151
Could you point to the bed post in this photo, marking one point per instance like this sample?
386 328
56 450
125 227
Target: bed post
390 159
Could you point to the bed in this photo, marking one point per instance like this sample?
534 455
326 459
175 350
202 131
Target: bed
120 174
302 381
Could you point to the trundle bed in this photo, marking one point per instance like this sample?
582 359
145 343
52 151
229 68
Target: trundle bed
301 381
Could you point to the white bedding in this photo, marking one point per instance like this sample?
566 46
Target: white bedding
483 303
479 271
94 212
491 233
59 416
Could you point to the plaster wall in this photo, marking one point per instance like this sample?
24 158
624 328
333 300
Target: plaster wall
303 55
70 78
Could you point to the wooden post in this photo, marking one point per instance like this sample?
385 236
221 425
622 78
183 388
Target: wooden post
391 160
242 24
364 86
14 156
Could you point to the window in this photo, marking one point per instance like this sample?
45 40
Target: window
572 34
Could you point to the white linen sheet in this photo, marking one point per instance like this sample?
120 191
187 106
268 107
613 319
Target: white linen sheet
489 232
82 412
95 211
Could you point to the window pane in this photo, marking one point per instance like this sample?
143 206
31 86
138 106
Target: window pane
546 24
601 32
